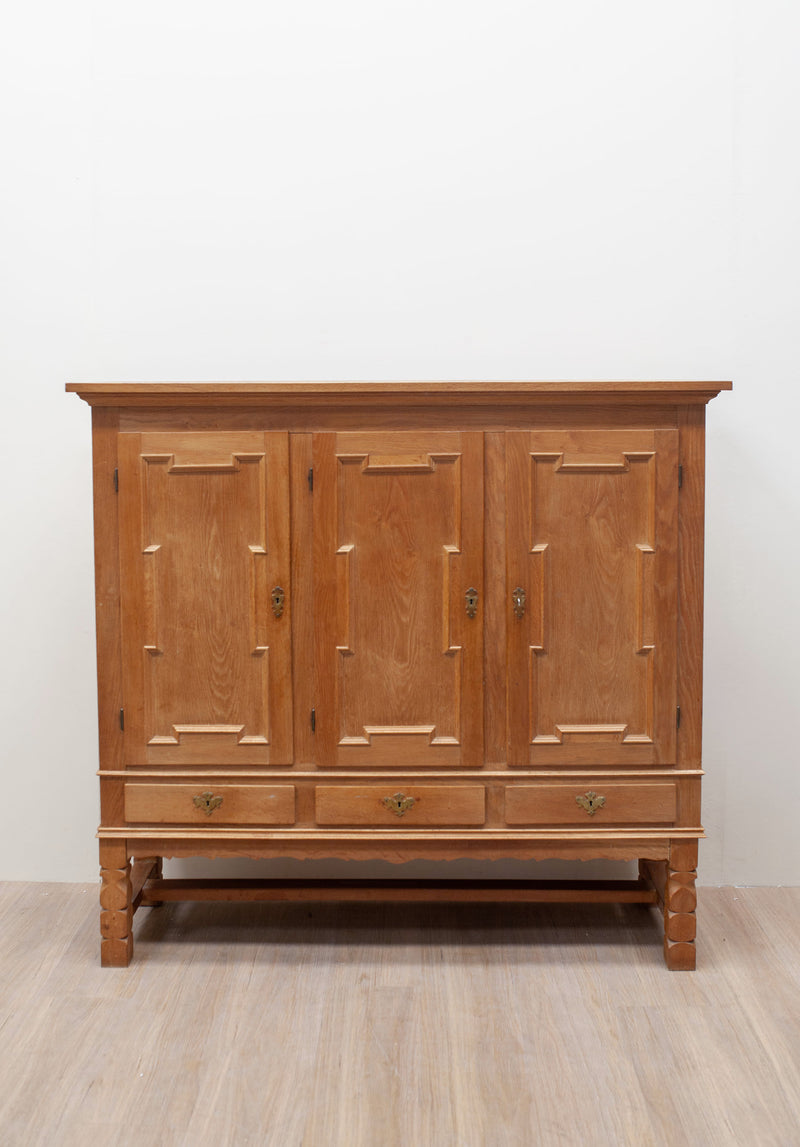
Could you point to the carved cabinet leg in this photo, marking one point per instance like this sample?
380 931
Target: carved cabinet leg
680 902
116 906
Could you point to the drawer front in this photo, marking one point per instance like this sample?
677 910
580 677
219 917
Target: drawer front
408 806
591 805
207 804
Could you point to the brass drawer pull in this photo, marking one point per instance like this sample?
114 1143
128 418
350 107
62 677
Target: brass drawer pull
518 597
207 802
278 598
399 803
591 801
471 599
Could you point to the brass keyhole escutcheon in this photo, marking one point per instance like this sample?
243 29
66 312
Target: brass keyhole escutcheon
518 597
471 599
591 801
278 598
399 803
207 802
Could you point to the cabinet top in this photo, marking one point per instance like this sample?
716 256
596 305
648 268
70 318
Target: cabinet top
390 393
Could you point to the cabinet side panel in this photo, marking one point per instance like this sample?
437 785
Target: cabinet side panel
131 592
665 603
105 423
690 585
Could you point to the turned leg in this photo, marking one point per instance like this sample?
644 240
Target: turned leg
680 902
116 906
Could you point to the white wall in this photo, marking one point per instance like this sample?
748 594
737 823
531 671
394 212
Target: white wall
386 189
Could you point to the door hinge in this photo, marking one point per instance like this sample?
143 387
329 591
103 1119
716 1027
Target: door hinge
680 477
116 480
122 720
677 717
311 479
313 720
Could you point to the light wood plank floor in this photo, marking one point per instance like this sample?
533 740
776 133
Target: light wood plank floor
375 1026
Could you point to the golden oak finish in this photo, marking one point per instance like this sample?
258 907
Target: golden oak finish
223 804
399 525
396 621
205 537
598 804
594 667
354 394
105 436
410 806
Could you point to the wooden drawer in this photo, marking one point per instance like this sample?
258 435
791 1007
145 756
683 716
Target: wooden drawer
207 804
406 807
611 804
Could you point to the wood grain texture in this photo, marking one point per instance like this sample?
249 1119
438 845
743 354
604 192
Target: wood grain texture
238 804
304 679
399 541
592 541
690 585
629 798
399 847
424 1024
105 423
356 393
432 805
496 602
623 804
376 674
443 415
116 906
408 891
680 903
205 535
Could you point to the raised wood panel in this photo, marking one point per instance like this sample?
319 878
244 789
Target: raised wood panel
592 542
621 804
398 520
204 538
432 805
226 804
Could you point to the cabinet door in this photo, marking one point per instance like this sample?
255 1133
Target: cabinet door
398 532
204 541
592 543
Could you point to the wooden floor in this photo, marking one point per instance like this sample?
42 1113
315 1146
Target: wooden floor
380 1025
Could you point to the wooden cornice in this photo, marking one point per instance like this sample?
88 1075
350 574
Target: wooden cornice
354 394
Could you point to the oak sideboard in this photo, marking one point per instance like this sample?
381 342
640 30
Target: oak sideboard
398 621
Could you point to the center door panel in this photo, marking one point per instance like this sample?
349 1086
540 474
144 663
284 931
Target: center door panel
398 549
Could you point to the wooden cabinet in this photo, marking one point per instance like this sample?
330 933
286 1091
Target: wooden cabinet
399 621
